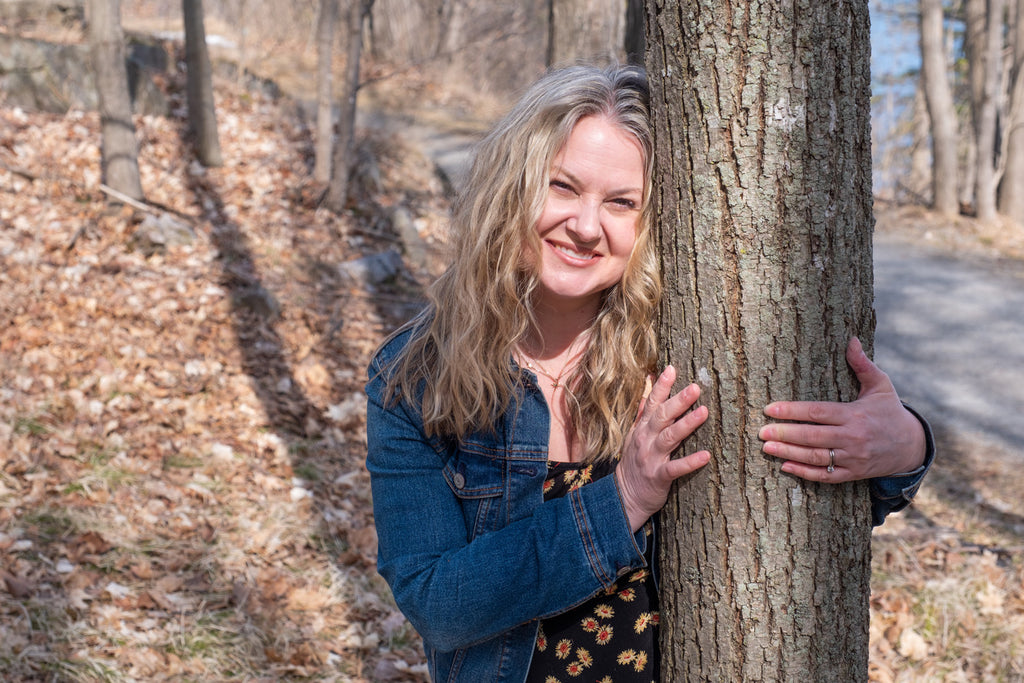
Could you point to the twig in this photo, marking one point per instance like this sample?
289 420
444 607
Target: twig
27 175
121 196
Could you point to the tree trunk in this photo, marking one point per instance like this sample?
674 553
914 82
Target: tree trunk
939 98
202 116
586 30
985 57
763 198
344 144
636 36
919 181
324 103
119 149
1011 186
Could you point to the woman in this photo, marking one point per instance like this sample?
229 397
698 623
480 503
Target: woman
513 477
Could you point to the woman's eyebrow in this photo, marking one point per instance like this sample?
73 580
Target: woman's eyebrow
561 170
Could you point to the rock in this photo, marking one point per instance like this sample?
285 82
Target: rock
375 269
156 233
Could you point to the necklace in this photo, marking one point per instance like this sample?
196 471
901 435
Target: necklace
556 380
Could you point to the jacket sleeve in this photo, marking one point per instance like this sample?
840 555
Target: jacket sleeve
457 591
895 492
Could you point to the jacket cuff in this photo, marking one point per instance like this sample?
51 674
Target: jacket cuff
612 548
896 491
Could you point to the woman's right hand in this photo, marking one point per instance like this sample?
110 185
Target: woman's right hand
646 470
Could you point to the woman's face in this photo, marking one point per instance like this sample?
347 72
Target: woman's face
590 218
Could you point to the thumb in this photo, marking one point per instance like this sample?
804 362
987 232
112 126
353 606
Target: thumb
870 376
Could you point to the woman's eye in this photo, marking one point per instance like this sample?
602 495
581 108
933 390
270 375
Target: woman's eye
624 203
561 185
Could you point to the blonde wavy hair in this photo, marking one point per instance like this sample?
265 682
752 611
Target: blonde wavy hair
458 361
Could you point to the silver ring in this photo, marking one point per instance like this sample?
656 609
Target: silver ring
831 461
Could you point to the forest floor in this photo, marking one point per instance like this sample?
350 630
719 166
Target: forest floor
182 424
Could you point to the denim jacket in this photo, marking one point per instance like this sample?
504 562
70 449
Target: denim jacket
467 546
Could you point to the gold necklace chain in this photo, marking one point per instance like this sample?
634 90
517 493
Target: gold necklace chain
556 380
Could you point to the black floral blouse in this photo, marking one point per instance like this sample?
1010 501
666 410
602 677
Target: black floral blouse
611 638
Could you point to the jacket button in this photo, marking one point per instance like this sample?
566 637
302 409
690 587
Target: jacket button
459 480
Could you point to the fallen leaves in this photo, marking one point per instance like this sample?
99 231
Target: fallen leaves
182 489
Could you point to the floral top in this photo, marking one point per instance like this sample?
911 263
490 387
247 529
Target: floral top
613 636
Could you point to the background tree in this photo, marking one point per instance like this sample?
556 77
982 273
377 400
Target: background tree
344 144
765 211
119 148
1011 186
202 115
984 45
588 30
941 112
324 103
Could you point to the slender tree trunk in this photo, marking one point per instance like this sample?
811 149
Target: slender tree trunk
324 102
202 115
119 150
1011 186
985 62
587 30
939 98
763 197
919 182
636 36
344 144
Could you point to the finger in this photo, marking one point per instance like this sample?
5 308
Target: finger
819 412
815 457
685 465
869 375
800 434
812 473
662 388
675 433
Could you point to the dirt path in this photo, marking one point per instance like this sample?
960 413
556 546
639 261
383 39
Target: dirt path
951 336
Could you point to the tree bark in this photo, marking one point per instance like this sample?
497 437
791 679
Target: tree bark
939 98
1011 186
202 115
119 149
763 198
344 144
324 103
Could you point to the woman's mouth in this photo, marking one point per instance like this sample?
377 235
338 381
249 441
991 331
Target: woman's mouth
572 253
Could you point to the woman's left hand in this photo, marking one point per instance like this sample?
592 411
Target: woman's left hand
873 436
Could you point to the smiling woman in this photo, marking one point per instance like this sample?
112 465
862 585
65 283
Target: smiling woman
519 439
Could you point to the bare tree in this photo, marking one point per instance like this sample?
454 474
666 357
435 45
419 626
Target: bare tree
587 30
984 52
344 144
941 111
202 115
324 103
119 149
764 204
1011 185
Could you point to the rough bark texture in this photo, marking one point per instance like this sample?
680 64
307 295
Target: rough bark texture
344 144
324 104
119 149
939 98
202 115
763 191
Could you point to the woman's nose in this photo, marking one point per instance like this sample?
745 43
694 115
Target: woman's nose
587 224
